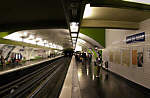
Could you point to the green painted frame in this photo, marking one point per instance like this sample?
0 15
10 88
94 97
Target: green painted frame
98 34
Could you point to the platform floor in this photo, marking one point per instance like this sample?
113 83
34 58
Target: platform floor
107 85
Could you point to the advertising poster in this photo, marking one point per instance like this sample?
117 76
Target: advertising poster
110 56
117 59
137 56
126 57
134 57
148 55
140 59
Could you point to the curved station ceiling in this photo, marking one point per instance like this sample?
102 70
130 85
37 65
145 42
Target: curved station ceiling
68 23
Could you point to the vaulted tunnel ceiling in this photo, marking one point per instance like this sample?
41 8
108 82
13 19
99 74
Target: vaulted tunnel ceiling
37 14
32 14
57 14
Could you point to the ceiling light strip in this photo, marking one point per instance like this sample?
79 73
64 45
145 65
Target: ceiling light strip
147 2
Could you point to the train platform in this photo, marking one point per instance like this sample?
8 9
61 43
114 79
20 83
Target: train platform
11 68
81 82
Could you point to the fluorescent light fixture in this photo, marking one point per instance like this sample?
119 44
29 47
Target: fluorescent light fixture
74 26
29 41
50 44
38 39
31 37
74 34
45 41
78 48
46 45
74 39
139 1
16 36
25 34
87 11
81 41
74 45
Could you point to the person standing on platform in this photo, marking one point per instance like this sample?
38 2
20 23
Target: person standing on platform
2 60
83 58
98 64
12 58
90 58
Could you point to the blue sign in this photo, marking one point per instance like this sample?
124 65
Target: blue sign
140 37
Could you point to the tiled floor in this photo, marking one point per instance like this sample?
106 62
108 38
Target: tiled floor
107 85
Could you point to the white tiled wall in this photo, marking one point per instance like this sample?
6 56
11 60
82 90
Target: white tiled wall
115 41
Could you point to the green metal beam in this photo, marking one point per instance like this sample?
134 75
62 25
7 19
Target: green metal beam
98 34
3 34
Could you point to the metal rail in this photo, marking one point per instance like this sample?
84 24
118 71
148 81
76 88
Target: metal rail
44 83
27 82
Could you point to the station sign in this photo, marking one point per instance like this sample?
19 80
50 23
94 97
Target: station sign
140 37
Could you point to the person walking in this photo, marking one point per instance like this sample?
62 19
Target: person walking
99 64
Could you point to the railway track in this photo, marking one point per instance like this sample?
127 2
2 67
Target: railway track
30 85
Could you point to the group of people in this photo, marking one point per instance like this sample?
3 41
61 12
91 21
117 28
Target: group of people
83 57
15 58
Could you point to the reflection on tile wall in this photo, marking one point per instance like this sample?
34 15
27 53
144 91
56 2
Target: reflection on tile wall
132 60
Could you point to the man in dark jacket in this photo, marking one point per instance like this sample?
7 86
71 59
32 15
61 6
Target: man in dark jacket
99 64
